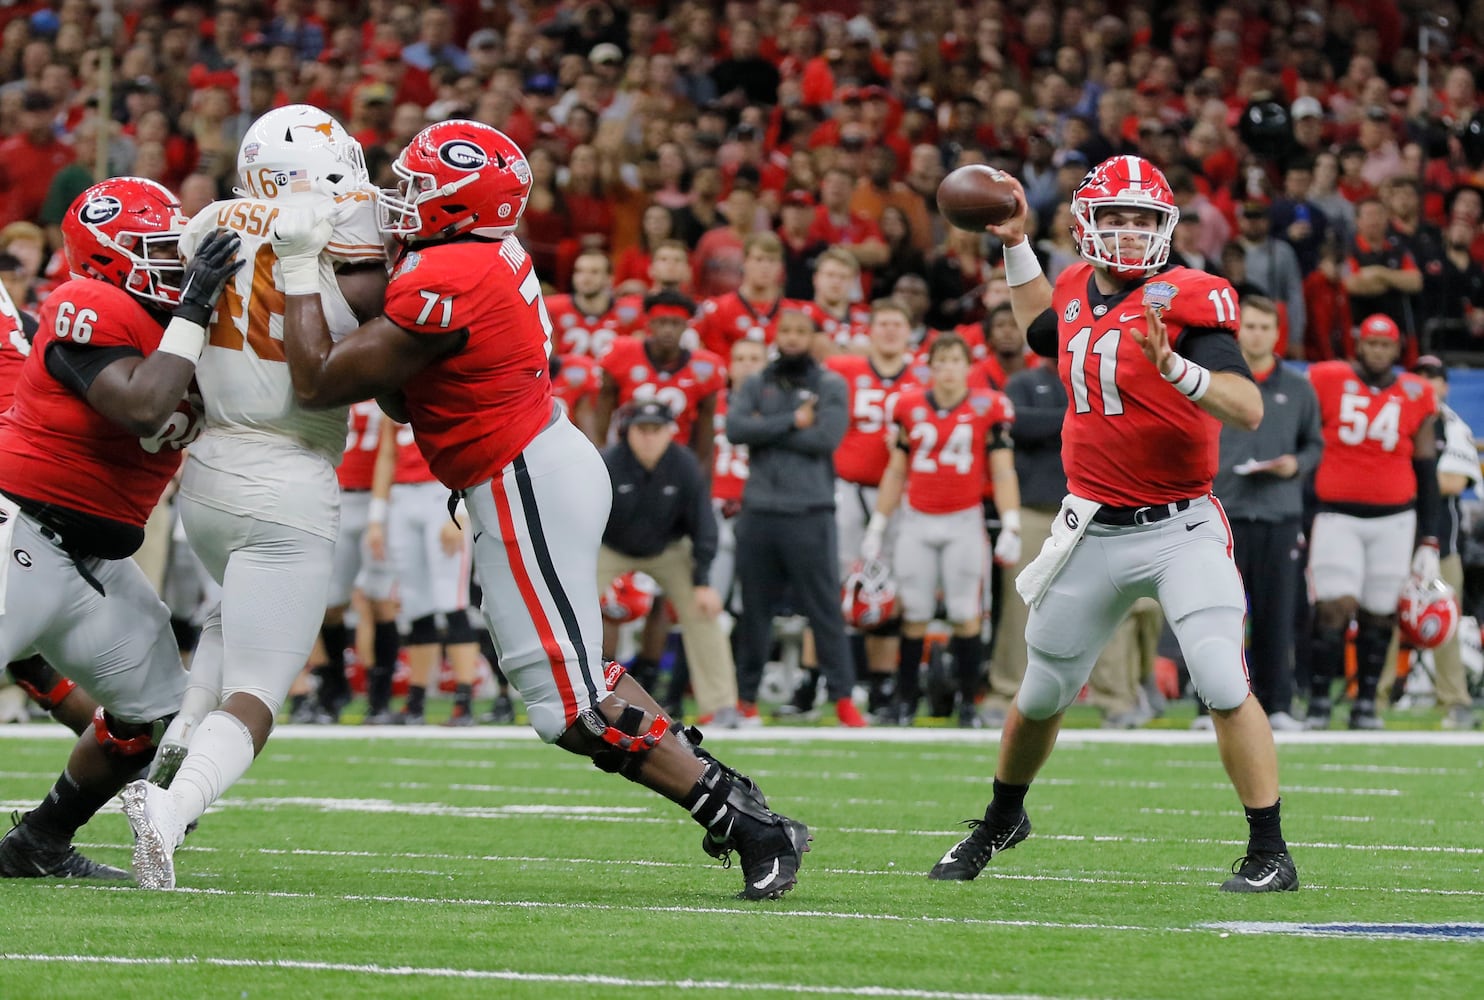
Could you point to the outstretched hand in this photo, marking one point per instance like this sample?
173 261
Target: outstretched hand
1155 343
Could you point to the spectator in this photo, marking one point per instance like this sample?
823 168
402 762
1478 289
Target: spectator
29 159
434 43
956 280
744 77
1455 293
801 249
1273 267
1296 219
1057 246
631 274
662 524
1260 477
1381 275
1458 470
719 253
903 257
701 213
1328 333
791 417
1307 115
835 224
1338 210
546 222
912 291
1377 139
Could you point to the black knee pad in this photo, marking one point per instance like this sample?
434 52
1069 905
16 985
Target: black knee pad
41 682
423 631
127 740
886 630
617 747
459 631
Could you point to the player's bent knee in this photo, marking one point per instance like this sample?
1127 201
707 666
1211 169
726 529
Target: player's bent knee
1213 654
1050 685
125 740
423 631
616 735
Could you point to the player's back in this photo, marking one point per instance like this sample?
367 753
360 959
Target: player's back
243 372
475 409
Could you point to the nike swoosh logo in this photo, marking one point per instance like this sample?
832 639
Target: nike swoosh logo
477 536
1128 317
1265 879
772 876
1192 527
949 857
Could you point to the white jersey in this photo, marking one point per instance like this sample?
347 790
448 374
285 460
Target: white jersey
243 374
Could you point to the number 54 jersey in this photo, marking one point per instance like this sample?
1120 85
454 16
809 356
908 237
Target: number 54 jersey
1368 435
243 372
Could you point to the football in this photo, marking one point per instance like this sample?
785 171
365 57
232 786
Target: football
975 196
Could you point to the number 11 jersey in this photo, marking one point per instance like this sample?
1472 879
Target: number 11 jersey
1131 438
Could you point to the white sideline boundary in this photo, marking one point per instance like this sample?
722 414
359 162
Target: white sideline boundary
833 734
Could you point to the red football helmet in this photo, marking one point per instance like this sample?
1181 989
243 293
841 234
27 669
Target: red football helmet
457 176
628 598
126 231
869 597
1427 614
1125 182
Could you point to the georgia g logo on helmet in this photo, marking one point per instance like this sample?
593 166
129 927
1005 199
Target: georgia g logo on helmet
96 211
461 154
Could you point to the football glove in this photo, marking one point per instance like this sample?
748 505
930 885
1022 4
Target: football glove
299 234
1007 548
206 275
1425 561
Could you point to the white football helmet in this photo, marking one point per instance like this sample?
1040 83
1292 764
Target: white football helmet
299 151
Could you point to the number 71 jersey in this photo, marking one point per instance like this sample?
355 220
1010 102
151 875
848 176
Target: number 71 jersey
1368 435
1131 438
243 371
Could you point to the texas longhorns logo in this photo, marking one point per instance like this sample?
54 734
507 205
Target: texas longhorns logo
326 129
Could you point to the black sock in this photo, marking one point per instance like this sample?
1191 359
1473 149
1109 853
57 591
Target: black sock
385 645
857 642
416 695
968 659
1265 830
909 687
1008 803
645 671
66 807
296 702
881 690
707 801
334 689
1327 663
1371 642
463 697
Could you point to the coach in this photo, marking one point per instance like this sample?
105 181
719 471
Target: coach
791 416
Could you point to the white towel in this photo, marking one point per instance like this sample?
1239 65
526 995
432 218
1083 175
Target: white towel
1066 531
10 513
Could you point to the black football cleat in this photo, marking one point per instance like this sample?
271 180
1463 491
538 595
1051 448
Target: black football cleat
25 853
966 859
771 852
1263 871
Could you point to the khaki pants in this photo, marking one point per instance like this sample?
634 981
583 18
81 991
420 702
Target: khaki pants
712 673
1450 683
1007 666
1128 657
154 552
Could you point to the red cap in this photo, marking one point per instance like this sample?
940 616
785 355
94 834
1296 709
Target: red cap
799 197
1379 325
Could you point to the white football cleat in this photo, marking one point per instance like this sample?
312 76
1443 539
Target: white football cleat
157 833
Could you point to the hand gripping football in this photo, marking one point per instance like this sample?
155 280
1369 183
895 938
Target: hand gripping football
975 196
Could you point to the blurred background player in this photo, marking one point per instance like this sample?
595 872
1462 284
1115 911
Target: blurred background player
429 550
259 497
586 321
94 434
1379 507
836 316
946 434
752 310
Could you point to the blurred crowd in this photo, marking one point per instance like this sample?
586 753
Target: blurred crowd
1327 154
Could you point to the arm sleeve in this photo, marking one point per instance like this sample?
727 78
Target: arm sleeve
1040 336
1215 349
831 418
1429 498
76 366
745 426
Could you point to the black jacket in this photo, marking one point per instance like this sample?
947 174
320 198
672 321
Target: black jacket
653 508
789 470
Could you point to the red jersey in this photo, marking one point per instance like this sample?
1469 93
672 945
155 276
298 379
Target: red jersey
728 461
56 448
14 349
700 374
989 373
726 319
591 334
972 334
946 449
579 378
1130 438
475 410
412 467
362 438
847 331
872 397
1368 435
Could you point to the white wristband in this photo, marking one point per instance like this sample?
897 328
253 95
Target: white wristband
1190 378
184 339
877 524
376 511
300 275
1010 521
1021 265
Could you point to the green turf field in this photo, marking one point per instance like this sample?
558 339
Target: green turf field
445 864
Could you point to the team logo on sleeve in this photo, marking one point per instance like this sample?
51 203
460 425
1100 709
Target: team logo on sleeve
96 211
1160 294
703 369
408 263
461 154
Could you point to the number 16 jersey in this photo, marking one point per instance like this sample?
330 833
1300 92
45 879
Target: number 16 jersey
1131 438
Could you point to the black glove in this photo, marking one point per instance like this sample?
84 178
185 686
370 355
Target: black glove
207 274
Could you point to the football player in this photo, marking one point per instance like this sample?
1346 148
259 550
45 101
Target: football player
873 382
586 321
258 497
945 436
1149 357
844 324
429 552
101 412
752 310
658 367
1379 508
464 343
